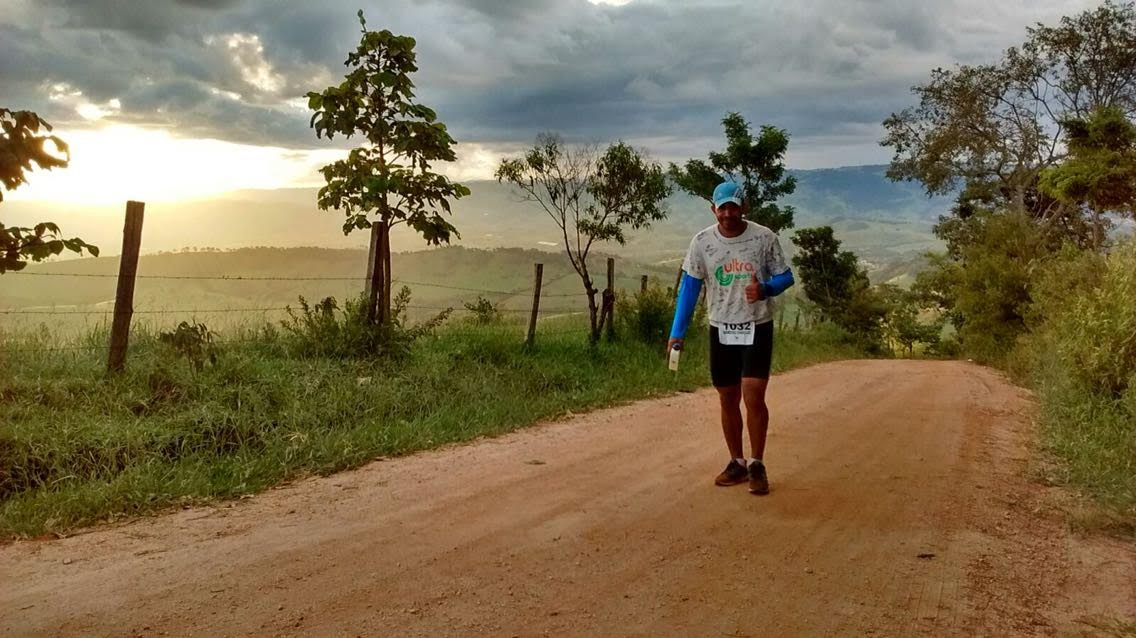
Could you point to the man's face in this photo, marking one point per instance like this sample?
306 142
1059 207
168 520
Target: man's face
729 216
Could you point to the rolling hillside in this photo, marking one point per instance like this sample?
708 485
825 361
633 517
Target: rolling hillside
883 221
282 234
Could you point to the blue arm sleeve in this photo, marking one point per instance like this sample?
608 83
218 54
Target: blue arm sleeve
684 309
777 284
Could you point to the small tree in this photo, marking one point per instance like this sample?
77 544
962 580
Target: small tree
387 181
756 163
838 287
591 199
21 147
827 273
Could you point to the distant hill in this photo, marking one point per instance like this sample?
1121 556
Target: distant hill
884 222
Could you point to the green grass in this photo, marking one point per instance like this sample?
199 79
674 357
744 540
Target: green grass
1092 436
77 447
1080 358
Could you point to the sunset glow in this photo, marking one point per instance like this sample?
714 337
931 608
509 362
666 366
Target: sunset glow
119 162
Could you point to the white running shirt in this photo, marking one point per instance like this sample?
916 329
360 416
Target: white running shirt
726 265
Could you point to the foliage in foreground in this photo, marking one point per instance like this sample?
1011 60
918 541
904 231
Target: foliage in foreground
22 149
1080 356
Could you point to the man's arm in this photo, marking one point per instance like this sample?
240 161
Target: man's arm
684 308
777 284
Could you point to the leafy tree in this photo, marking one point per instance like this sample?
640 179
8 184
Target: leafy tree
386 181
1100 172
988 131
936 285
756 163
992 288
828 274
837 286
591 198
22 149
902 324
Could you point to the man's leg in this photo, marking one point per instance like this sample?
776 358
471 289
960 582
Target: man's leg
726 374
729 398
757 414
755 379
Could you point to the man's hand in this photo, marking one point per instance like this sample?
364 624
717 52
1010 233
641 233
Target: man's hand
753 290
671 344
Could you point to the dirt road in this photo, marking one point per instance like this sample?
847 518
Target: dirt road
898 508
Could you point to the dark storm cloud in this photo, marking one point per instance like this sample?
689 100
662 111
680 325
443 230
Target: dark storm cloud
499 71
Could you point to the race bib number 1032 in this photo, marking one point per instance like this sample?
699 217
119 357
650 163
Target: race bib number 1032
736 334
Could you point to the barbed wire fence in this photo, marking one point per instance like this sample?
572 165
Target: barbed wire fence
122 310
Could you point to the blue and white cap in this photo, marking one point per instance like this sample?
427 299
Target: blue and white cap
728 191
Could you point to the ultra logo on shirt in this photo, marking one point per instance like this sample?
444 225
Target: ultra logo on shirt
735 271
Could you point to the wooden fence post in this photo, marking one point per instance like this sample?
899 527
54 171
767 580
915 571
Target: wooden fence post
609 298
124 296
643 284
538 275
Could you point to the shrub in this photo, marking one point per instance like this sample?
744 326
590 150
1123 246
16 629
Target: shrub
318 331
194 342
647 315
483 311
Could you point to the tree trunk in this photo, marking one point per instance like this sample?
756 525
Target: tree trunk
593 316
386 254
378 290
593 311
607 315
375 275
1019 200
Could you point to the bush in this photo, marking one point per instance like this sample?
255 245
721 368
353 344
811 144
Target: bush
1085 308
647 316
318 331
483 311
194 342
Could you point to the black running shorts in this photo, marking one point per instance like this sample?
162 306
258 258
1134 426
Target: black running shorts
728 364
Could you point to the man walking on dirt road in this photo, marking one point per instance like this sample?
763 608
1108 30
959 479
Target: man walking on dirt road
746 269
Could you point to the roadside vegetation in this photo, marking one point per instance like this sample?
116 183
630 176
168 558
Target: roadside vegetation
1039 148
199 416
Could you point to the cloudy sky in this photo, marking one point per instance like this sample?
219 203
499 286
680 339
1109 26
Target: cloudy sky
169 99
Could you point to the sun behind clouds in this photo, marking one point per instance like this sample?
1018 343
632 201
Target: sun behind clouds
121 162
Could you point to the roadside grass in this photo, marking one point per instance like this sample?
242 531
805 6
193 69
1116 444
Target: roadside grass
78 447
1080 359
